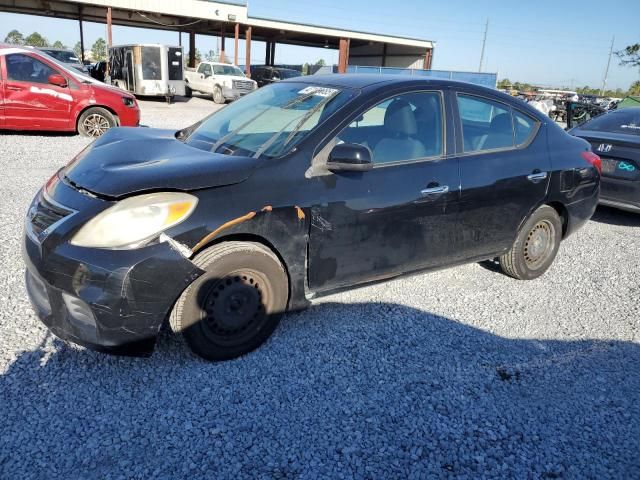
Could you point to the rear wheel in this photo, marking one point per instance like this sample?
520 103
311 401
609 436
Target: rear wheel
236 305
95 121
535 247
217 95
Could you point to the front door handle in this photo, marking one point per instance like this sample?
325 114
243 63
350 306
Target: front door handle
536 177
439 190
15 89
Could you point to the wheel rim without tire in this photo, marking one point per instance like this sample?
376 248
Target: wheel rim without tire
236 307
95 125
539 244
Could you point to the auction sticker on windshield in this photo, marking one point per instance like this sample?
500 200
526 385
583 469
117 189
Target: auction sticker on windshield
318 91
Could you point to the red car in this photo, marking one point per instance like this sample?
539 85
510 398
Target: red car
39 93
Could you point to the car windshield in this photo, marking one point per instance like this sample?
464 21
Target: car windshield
268 122
81 77
227 70
63 56
288 73
618 121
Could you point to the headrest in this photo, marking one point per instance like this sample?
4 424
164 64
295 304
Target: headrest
400 118
501 122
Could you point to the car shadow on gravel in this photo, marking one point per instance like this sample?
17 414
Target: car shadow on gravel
613 216
372 390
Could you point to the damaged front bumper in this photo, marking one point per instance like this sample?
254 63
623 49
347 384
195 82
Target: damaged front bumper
113 301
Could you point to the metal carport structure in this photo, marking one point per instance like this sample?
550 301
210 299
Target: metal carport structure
230 20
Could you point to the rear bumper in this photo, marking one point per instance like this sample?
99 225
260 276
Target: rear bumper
580 212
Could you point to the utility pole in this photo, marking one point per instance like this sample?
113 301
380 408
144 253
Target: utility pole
484 42
606 72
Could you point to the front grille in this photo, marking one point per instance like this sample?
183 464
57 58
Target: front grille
243 85
43 214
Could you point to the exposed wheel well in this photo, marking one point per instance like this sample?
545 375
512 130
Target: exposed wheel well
564 215
249 237
110 110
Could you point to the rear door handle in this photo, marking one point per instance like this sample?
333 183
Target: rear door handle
16 89
439 190
537 177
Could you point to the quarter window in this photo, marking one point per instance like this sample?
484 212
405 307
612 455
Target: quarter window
403 128
486 125
525 127
23 68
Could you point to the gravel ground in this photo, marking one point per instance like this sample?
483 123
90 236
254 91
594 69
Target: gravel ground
459 373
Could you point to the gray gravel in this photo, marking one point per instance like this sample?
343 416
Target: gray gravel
462 373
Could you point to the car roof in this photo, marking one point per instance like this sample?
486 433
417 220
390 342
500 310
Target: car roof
363 80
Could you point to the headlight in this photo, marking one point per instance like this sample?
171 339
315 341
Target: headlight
128 101
134 221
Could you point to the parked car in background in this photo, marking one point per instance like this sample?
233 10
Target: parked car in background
615 136
68 57
265 75
220 80
303 188
147 69
98 71
37 92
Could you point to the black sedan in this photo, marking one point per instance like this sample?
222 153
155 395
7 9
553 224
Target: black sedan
615 136
302 188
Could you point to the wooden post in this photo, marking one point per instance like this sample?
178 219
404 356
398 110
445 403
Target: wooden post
247 59
81 34
235 50
343 57
192 49
222 42
427 59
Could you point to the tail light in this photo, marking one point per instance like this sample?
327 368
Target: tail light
593 159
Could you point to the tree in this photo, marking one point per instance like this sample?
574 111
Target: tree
630 56
36 40
59 44
321 63
77 49
14 37
99 50
210 56
198 56
504 83
634 89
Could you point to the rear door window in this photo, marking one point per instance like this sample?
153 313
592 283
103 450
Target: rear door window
486 125
618 121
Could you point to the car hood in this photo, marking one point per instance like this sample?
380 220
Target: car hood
125 161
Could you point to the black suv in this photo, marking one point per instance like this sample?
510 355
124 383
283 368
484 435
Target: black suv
265 75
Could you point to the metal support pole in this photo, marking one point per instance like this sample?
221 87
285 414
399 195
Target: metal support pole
247 58
427 59
192 49
109 36
235 50
267 53
343 55
81 34
484 43
180 39
223 37
272 55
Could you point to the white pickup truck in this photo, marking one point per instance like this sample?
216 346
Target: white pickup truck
220 80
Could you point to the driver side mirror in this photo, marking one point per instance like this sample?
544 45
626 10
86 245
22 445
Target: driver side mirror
57 80
350 157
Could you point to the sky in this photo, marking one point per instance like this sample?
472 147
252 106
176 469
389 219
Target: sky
556 43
